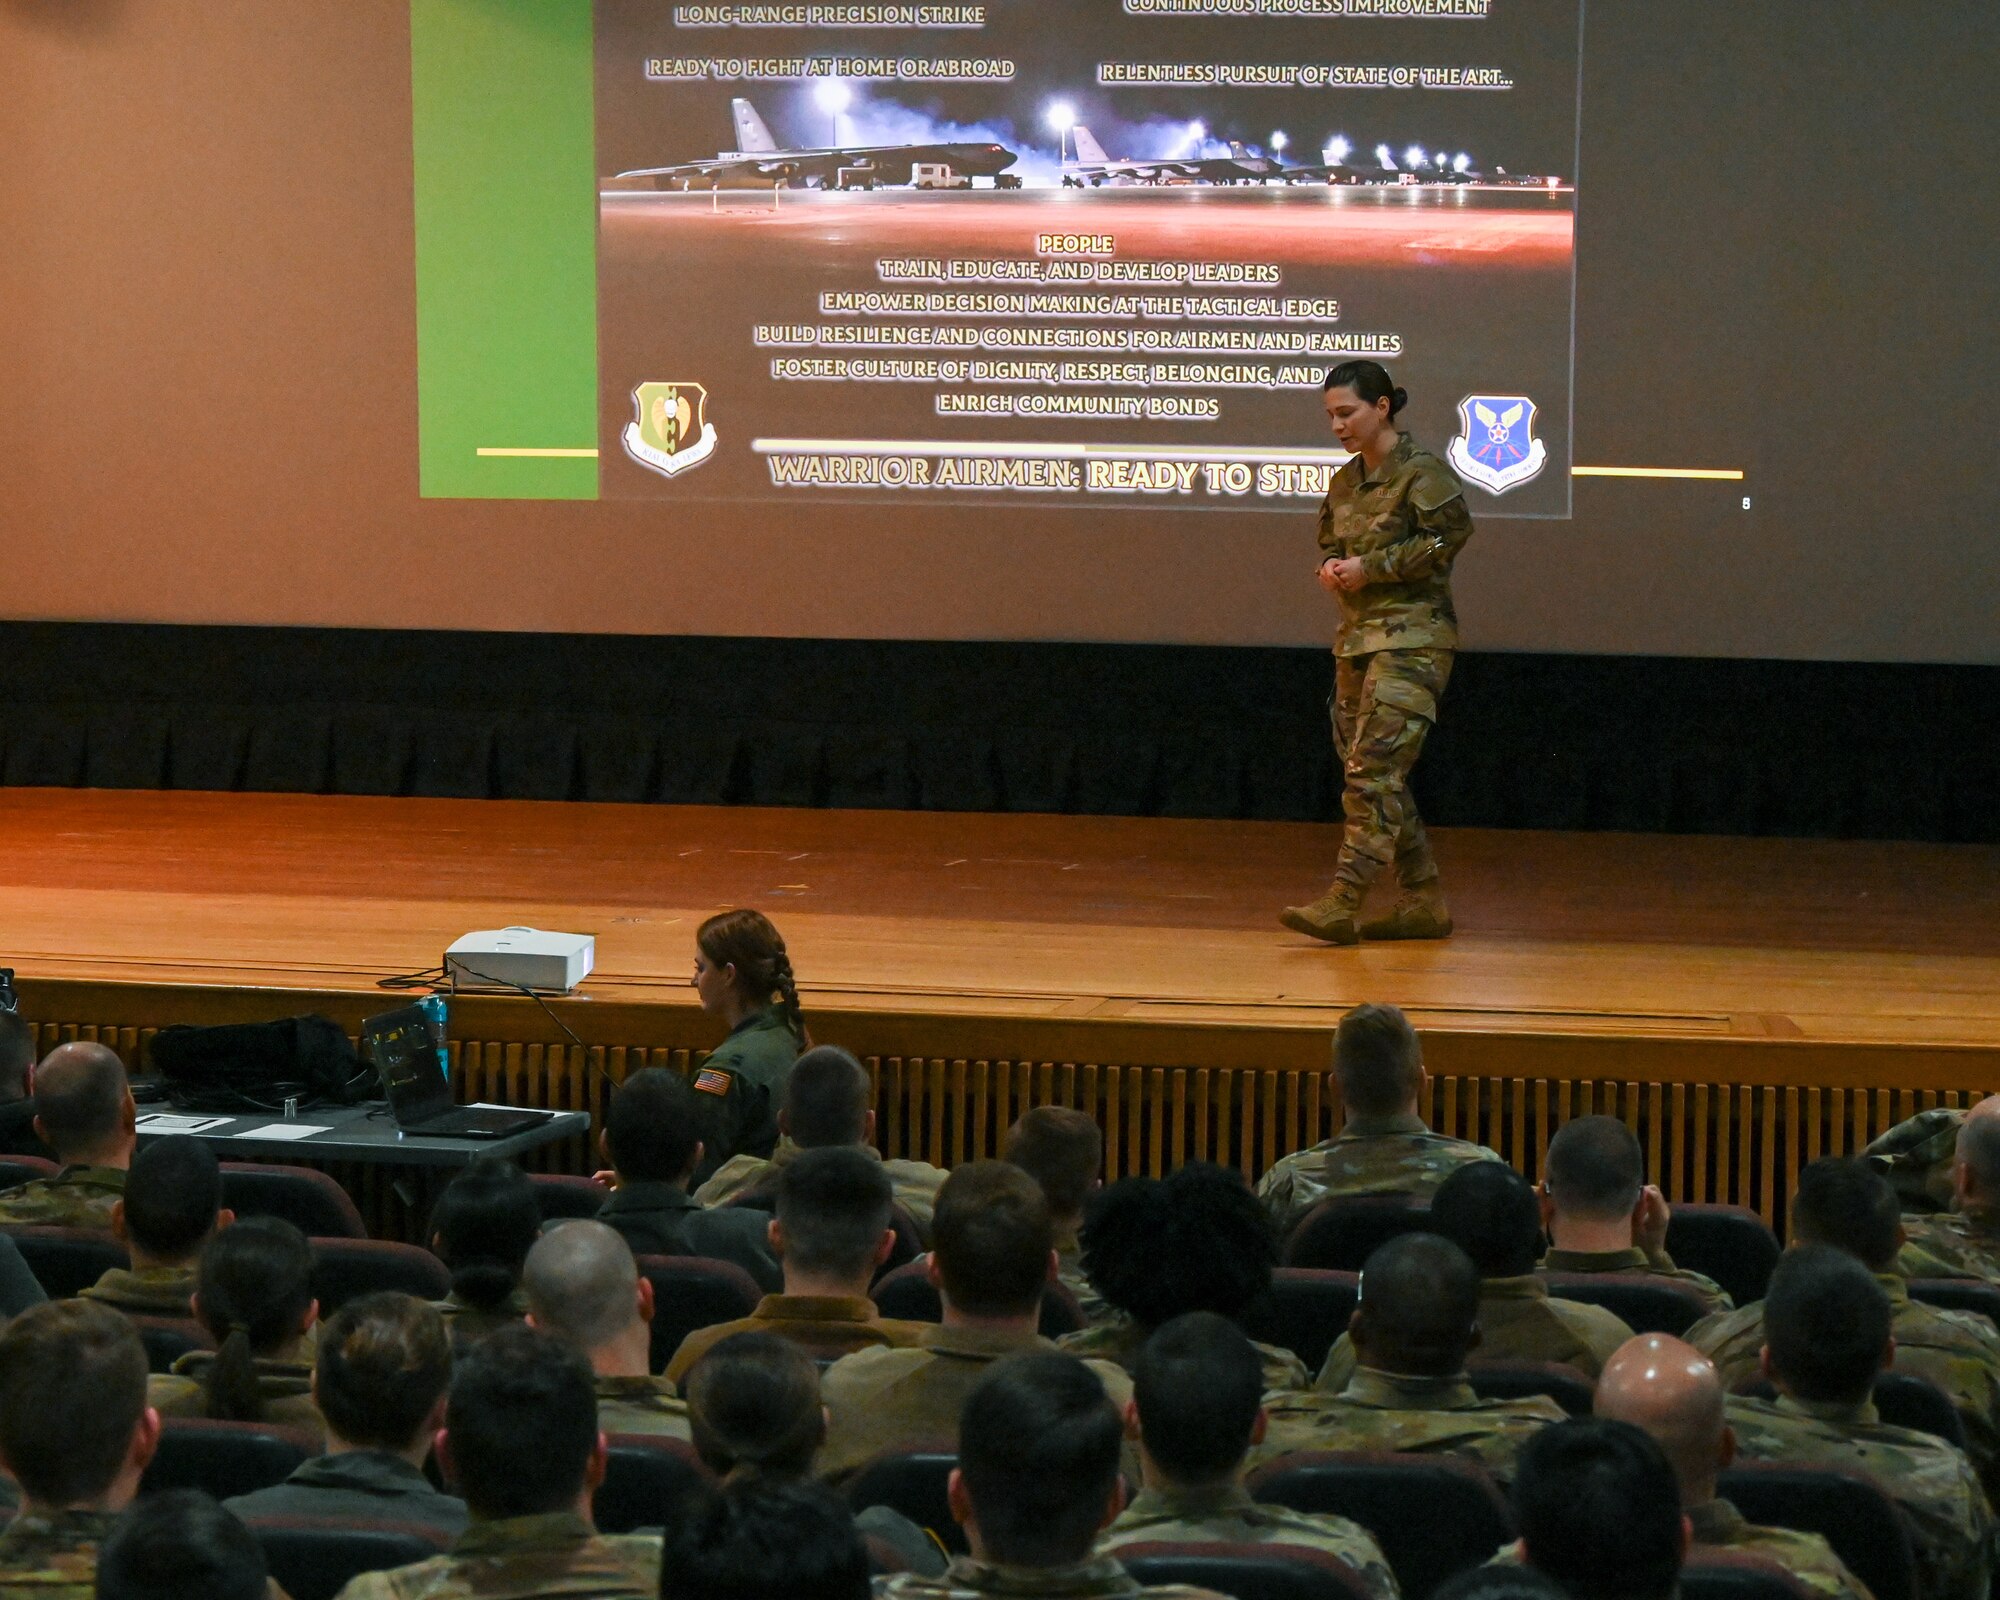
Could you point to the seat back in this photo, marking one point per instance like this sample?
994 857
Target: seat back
345 1269
909 1295
308 1199
692 1292
1644 1302
1737 1575
66 1261
1303 1311
1731 1244
1846 1509
1514 1380
312 1558
1959 1294
225 1458
1340 1235
1434 1516
564 1195
25 1169
913 1481
1245 1571
167 1339
647 1480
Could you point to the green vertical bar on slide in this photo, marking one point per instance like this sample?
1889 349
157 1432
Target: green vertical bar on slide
506 210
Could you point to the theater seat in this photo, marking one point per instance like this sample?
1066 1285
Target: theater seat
1434 1516
1734 1575
1340 1235
167 1339
647 1477
1514 1380
692 1292
913 1481
66 1261
564 1195
312 1558
1847 1509
1304 1311
309 1200
225 1458
1646 1303
1245 1571
345 1269
1731 1244
1959 1294
16 1170
908 1294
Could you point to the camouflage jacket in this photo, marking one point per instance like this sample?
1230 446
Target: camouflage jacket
642 1405
1120 1339
892 1397
1917 1156
148 1292
825 1326
468 1324
1069 1273
524 1558
1518 1321
1407 521
1956 1350
1100 1578
1806 1556
916 1183
76 1197
1227 1515
53 1556
1635 1260
1963 1244
1387 1411
1370 1156
1951 1526
284 1379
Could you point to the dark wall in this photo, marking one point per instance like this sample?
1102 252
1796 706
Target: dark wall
1635 743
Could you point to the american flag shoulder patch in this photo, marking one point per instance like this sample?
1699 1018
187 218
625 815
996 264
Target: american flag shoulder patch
712 1080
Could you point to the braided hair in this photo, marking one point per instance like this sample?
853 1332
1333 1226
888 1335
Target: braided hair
746 941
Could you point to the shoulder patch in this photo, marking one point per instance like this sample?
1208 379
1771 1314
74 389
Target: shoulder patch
1432 483
712 1081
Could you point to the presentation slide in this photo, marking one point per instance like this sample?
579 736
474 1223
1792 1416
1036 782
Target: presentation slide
1096 255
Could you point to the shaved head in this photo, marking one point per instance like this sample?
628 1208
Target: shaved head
82 1100
1418 1312
1672 1391
1979 1149
582 1284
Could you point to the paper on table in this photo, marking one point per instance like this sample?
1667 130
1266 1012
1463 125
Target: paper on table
282 1130
167 1122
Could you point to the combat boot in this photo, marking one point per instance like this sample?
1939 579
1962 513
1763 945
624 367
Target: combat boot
1330 917
1420 913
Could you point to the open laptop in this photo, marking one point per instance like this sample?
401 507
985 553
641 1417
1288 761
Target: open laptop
407 1046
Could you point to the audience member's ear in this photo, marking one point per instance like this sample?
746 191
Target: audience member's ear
1764 1364
311 1316
434 1423
145 1439
1687 1536
593 1473
194 1305
931 1274
441 1449
646 1302
1055 1268
223 1219
774 1234
956 1497
784 1123
1726 1456
1358 1334
118 1223
1114 1503
28 1088
868 1128
42 1132
1889 1354
129 1118
886 1246
1546 1202
1131 1415
1260 1427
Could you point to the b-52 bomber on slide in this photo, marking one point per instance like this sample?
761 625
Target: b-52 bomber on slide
1093 168
758 163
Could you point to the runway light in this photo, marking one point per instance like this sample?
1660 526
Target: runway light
1382 155
1279 141
1462 162
833 97
1060 117
1414 156
1335 151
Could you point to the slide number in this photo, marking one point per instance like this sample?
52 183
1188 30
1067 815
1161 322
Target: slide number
1746 502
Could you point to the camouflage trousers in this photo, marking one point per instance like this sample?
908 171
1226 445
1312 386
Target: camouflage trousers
1383 704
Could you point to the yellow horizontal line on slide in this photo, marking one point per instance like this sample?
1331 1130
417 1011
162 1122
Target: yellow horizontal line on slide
1726 474
527 450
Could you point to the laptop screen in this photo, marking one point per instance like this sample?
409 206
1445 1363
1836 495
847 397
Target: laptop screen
407 1047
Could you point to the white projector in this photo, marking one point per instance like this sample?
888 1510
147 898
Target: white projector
519 958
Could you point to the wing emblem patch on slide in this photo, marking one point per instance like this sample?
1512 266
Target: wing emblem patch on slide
670 431
1496 446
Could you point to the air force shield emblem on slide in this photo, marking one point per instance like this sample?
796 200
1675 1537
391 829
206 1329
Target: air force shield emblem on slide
670 431
1496 446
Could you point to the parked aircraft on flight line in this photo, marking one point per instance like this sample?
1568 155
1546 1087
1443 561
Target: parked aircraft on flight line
1092 168
758 162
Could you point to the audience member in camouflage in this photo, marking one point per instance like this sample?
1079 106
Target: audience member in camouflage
1848 1204
1827 1329
1966 1243
146 1291
521 1441
1599 1512
1385 1147
76 1435
170 1209
1393 522
1490 1212
1196 1390
1415 1326
1157 1248
1917 1157
1674 1392
84 1109
482 1228
1600 1213
1062 1149
1036 1484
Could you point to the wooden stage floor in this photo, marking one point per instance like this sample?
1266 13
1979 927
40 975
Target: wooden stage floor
1868 958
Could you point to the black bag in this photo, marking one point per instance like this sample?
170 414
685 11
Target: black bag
263 1063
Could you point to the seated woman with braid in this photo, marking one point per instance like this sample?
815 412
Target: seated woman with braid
483 1226
253 1293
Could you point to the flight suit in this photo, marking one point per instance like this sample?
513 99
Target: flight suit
741 1083
1227 1515
1396 1155
524 1558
